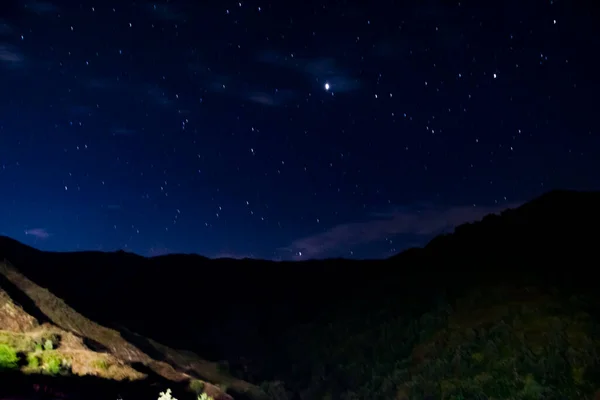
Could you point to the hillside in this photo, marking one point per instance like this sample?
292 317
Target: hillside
506 307
62 341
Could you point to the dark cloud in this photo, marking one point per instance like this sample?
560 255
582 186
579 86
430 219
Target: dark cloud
423 223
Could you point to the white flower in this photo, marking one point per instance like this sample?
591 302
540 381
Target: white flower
166 395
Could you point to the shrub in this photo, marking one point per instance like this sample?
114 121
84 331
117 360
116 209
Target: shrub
53 364
197 386
166 395
8 357
101 364
52 337
33 361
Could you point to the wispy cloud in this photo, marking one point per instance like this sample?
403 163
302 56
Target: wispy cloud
423 223
234 256
158 96
158 251
165 12
40 7
5 28
234 87
38 233
321 69
263 98
276 98
299 74
11 56
342 84
325 69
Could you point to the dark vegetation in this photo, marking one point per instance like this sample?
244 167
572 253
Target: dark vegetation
21 386
505 308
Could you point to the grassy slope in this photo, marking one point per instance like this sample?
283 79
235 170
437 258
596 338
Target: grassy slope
21 331
49 349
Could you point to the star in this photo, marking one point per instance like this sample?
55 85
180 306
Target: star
234 120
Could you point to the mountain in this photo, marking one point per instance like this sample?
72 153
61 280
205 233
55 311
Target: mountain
415 325
552 237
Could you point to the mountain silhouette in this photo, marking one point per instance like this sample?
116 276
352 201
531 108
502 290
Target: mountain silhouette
245 315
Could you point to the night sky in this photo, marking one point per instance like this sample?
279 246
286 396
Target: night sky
287 130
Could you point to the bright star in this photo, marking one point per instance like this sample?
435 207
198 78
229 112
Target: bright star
327 86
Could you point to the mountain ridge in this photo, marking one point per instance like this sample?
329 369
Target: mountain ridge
242 310
520 236
553 199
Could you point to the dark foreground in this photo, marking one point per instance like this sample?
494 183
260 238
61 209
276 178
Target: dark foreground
17 386
505 308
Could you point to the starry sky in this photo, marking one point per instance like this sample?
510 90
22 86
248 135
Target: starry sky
287 130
